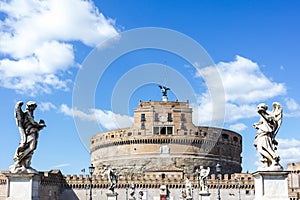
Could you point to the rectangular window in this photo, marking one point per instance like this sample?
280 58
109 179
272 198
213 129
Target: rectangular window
182 126
163 130
182 117
155 130
215 134
170 119
142 125
143 117
225 136
156 117
169 130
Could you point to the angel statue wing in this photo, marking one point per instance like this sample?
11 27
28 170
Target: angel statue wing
19 114
277 115
164 89
204 172
207 172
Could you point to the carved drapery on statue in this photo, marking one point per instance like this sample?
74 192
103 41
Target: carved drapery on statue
29 133
202 175
188 189
267 129
113 179
132 192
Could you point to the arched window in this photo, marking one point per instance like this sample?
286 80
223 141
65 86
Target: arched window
225 136
235 139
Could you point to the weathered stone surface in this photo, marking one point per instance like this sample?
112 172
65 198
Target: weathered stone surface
23 186
112 196
163 135
271 185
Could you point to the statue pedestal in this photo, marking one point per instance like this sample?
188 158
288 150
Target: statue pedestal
112 196
164 98
23 186
271 185
204 195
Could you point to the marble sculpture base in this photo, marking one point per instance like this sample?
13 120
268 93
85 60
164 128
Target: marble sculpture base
271 185
112 196
204 195
23 186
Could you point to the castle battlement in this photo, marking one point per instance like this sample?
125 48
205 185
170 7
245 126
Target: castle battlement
227 181
53 182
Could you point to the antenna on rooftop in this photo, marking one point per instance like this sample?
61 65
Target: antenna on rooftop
164 88
165 73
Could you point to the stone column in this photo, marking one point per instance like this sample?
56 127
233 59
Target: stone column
112 196
271 185
23 186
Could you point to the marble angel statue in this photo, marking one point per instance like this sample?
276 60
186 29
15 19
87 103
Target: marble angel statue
202 174
267 129
29 133
188 189
113 179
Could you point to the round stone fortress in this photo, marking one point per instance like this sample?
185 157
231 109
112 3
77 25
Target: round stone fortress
164 139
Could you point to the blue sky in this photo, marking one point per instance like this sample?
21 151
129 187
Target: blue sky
46 46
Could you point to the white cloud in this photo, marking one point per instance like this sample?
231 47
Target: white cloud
291 104
46 106
288 150
244 85
106 119
235 112
36 41
59 166
293 108
243 81
238 127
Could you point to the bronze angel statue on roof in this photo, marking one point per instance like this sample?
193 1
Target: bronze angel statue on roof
164 90
29 133
267 129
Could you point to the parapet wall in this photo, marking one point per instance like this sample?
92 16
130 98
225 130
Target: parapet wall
3 187
56 186
155 181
